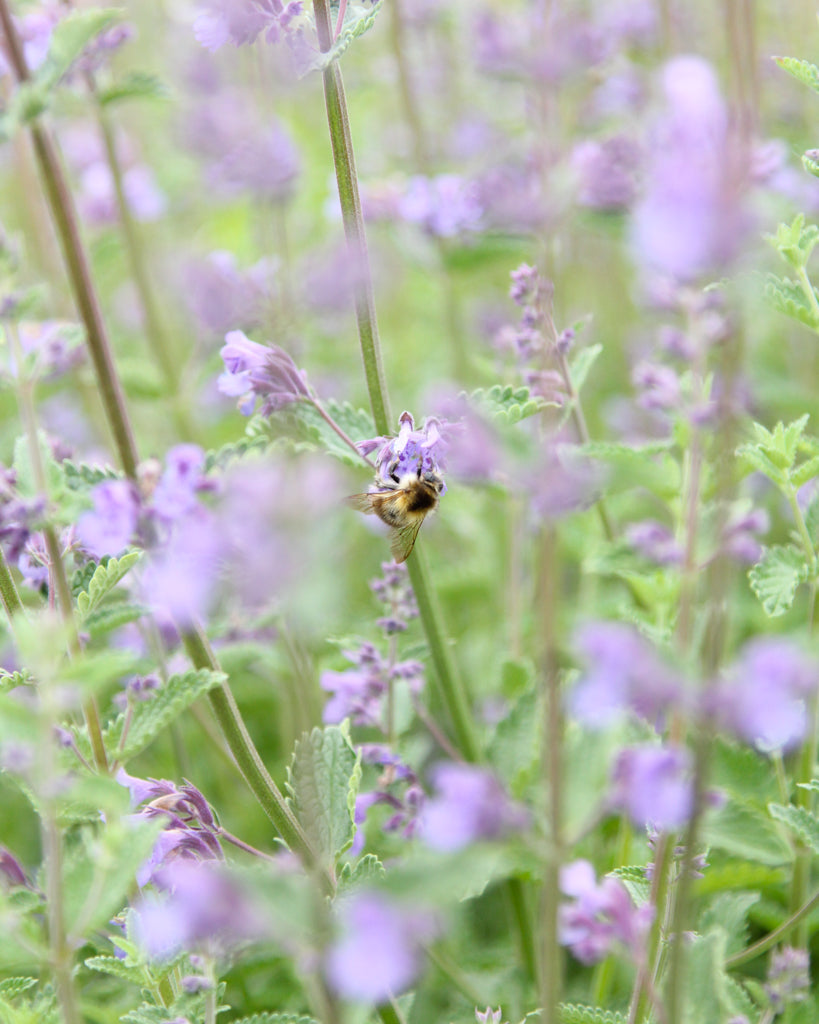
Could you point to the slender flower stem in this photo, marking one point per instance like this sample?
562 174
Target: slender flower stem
344 160
250 763
64 216
770 940
8 590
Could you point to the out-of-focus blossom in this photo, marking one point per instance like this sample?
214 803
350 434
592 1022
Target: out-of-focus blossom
474 447
761 699
513 199
180 577
222 296
97 197
623 673
606 172
241 22
34 29
488 1016
653 786
772 169
690 220
254 371
654 542
788 978
658 385
182 481
469 805
600 917
111 525
11 871
360 693
446 206
740 537
199 908
398 789
562 481
395 591
51 348
378 950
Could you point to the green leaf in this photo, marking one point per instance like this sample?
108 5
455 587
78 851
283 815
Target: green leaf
795 241
810 161
776 577
322 781
746 831
514 750
70 37
117 968
304 426
633 877
802 70
505 404
11 987
134 85
150 717
581 364
234 451
104 620
106 576
79 476
729 911
800 821
787 297
26 482
575 1013
358 20
805 471
366 872
705 990
650 465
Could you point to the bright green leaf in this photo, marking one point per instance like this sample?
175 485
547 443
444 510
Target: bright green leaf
776 577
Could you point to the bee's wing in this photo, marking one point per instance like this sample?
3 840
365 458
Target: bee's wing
403 540
361 503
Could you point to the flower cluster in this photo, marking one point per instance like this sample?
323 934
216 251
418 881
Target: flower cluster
243 21
413 451
361 692
265 372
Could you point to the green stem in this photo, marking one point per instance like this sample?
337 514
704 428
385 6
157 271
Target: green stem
646 974
250 763
8 590
64 215
344 161
770 940
810 294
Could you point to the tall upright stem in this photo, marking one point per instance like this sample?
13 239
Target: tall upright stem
64 216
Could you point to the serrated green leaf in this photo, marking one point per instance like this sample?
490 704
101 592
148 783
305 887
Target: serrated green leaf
103 581
651 466
753 458
117 968
805 471
149 718
134 85
576 1013
358 20
802 70
746 831
581 364
79 476
70 37
322 783
633 877
307 430
800 821
104 620
506 404
729 911
366 871
795 241
11 987
787 297
233 451
514 750
810 161
776 577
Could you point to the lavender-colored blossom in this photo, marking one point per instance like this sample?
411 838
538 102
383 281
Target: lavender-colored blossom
761 699
241 22
653 786
788 978
474 448
183 479
97 197
395 591
111 525
179 580
690 220
397 788
265 163
445 206
378 950
359 693
659 386
513 198
412 451
606 172
200 907
11 871
221 295
254 371
34 29
52 348
601 917
469 805
624 673
562 481
654 542
740 535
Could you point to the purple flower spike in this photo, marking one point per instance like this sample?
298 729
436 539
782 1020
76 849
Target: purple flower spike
413 451
788 978
378 951
600 917
470 805
653 786
110 527
260 371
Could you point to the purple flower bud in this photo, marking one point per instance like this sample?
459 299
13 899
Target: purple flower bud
176 492
470 805
788 978
653 786
488 1016
11 870
654 542
660 386
259 371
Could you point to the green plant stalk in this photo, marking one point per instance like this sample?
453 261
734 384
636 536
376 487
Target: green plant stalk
8 591
250 763
810 294
63 213
772 938
646 974
344 160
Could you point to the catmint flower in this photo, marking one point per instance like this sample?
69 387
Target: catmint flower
265 163
395 591
254 371
761 698
220 295
606 172
653 786
377 953
488 1016
654 542
563 481
111 525
97 197
412 451
241 22
624 673
788 978
51 349
469 805
359 693
690 220
698 863
183 479
34 29
659 386
739 536
199 907
601 917
179 578
11 871
397 789
445 206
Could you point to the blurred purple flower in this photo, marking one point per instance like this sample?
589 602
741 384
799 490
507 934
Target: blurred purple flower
761 699
659 386
11 871
183 479
740 535
606 172
111 525
180 577
470 805
52 348
690 220
653 786
563 481
359 693
445 206
788 978
654 542
394 590
221 295
241 22
34 29
378 950
255 371
264 163
97 198
200 908
601 917
624 673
